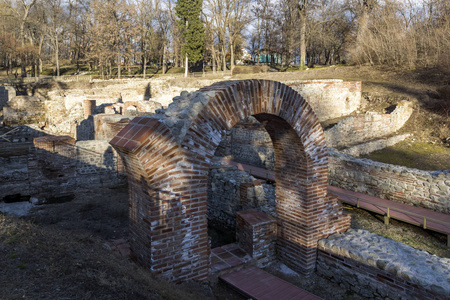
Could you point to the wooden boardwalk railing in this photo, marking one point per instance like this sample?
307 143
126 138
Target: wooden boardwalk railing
425 218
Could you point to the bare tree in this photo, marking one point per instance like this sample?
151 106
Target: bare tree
237 19
21 9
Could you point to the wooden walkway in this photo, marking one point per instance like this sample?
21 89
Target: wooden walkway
260 285
426 218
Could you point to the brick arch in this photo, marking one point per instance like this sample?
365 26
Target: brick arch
167 158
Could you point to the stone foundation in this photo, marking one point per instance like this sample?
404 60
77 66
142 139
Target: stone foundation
6 92
377 267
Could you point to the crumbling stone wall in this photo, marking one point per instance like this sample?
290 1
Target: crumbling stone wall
167 157
231 190
358 129
98 165
330 98
429 189
380 268
375 145
224 198
23 110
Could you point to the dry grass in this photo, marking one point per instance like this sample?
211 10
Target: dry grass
414 236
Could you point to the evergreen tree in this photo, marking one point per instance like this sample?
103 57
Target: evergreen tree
188 12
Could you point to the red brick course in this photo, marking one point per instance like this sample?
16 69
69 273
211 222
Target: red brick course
168 172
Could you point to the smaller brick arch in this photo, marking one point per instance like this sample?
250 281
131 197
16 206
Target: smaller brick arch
167 158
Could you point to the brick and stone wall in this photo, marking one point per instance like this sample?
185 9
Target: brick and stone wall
106 126
52 167
377 267
330 98
429 189
167 157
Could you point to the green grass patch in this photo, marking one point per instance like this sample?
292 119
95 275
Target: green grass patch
420 155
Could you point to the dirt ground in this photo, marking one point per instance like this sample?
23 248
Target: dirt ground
60 252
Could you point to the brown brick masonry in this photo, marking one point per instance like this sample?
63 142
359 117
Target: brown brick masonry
167 169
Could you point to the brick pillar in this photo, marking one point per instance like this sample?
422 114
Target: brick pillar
168 202
89 106
256 233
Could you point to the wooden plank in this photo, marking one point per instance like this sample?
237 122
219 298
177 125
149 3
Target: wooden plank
260 285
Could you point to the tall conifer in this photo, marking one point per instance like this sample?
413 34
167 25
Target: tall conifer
188 12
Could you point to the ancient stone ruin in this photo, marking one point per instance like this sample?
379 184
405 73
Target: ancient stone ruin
167 157
182 184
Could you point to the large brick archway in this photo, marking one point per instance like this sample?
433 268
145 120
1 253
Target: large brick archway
167 158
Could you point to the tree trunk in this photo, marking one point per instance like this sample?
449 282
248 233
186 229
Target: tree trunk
303 35
57 55
302 9
144 67
186 66
363 21
164 60
231 55
119 70
224 58
214 61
